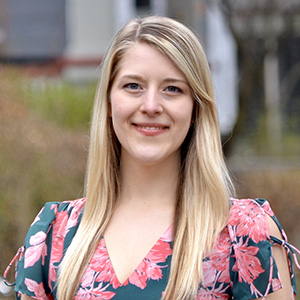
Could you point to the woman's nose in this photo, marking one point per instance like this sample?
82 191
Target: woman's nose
151 103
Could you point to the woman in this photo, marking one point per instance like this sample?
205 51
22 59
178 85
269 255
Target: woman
157 221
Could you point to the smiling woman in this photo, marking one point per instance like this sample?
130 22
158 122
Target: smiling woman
151 107
158 220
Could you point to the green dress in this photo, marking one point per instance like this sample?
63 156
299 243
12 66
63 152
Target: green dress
241 266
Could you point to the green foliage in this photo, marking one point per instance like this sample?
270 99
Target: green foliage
43 138
262 142
65 104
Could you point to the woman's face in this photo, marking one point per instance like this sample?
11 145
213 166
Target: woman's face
151 106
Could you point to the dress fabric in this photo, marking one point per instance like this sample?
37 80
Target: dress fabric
241 265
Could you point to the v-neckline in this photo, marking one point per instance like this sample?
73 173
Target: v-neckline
165 236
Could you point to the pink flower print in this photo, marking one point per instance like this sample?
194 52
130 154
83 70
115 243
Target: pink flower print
160 251
58 235
267 208
102 266
249 219
108 275
139 276
100 257
168 235
77 207
101 294
149 268
72 220
98 293
37 249
66 219
38 238
78 204
209 273
55 257
221 255
37 218
61 227
212 294
87 278
60 224
36 288
276 284
52 275
153 270
247 264
114 281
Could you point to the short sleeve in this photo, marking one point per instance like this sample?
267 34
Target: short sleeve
32 270
47 238
253 270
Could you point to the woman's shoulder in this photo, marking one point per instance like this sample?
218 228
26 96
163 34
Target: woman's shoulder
58 216
58 206
249 218
249 208
56 210
45 243
256 204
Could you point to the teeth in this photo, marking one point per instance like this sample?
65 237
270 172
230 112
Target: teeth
151 127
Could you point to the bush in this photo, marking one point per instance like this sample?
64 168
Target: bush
43 137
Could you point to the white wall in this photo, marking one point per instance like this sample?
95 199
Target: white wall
89 27
124 10
89 30
222 56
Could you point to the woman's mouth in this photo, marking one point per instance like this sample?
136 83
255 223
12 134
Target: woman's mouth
150 129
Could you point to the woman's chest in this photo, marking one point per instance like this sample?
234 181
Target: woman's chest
149 279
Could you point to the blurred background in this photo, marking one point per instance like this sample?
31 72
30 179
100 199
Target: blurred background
50 53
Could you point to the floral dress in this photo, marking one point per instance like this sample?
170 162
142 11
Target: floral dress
241 266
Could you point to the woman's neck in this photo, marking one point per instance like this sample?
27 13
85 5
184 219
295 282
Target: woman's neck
150 184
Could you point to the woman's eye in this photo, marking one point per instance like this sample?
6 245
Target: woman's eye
132 86
173 89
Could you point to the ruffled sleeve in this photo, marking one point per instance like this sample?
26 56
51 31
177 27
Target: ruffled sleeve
47 239
253 270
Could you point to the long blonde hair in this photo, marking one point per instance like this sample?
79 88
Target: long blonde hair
205 185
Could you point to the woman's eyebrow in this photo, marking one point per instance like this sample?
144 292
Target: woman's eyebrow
167 80
174 80
132 76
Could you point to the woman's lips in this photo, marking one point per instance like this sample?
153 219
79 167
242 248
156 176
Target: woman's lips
150 129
